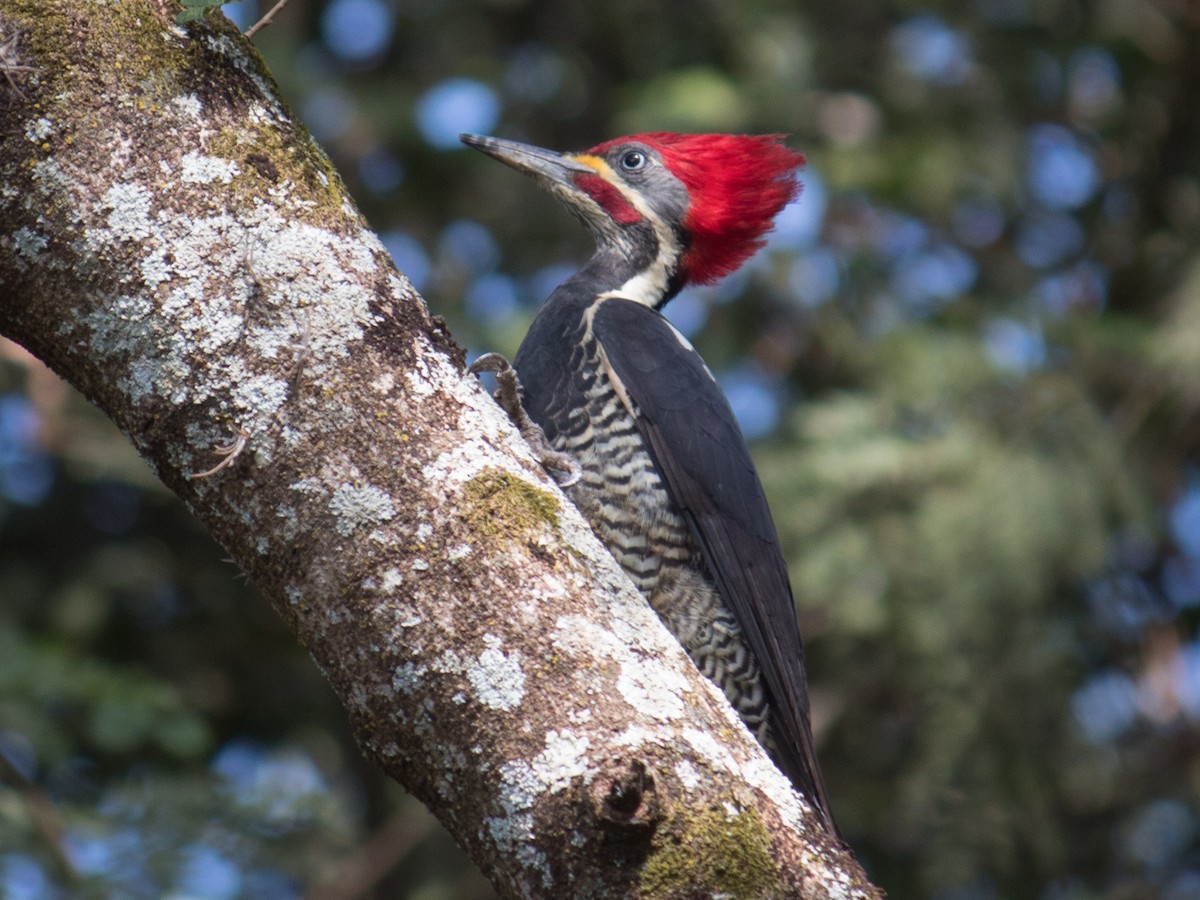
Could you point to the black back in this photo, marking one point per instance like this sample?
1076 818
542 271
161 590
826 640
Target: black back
696 443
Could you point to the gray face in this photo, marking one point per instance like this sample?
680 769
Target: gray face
642 168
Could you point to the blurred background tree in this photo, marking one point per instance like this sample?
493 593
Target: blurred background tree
968 362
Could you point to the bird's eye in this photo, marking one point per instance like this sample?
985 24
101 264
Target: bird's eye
632 160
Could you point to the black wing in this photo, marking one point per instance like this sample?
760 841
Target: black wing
695 440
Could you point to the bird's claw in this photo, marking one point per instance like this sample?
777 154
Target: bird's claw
490 362
563 467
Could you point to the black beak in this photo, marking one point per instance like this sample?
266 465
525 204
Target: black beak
545 165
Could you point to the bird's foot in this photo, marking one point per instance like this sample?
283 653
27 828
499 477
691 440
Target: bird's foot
562 467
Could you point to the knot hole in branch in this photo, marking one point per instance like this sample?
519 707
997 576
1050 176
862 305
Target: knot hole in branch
626 795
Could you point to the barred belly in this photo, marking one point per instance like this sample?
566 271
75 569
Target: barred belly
624 499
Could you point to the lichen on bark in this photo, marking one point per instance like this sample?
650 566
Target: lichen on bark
500 503
173 244
728 850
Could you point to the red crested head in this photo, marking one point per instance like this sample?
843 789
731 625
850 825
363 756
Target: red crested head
736 186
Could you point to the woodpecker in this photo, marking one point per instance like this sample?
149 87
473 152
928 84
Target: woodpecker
654 457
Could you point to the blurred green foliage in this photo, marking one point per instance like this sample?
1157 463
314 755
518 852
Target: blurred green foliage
968 358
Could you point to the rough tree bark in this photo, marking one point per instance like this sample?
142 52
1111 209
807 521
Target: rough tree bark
176 247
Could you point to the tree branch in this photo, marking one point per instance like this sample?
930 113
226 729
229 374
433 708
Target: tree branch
174 245
266 19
